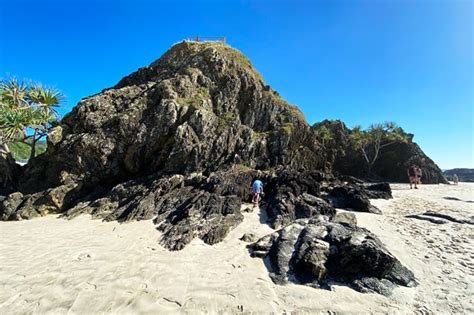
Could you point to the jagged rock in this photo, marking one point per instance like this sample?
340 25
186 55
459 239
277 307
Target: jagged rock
199 111
9 205
319 253
373 285
378 191
9 172
200 108
351 197
291 195
180 141
186 214
131 200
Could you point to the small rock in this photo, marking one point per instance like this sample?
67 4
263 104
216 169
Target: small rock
247 209
345 218
248 237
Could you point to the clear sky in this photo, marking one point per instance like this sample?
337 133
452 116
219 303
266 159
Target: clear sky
407 61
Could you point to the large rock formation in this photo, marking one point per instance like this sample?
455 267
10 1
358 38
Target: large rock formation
464 174
180 141
391 165
319 252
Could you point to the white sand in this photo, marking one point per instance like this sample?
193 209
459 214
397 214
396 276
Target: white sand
51 265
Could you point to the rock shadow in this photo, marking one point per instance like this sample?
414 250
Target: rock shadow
457 199
440 218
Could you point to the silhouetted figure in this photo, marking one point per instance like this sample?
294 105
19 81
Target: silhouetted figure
412 176
418 175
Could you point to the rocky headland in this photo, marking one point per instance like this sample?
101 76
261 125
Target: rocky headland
179 142
464 174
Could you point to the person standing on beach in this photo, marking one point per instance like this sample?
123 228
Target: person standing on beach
412 176
418 175
257 189
455 179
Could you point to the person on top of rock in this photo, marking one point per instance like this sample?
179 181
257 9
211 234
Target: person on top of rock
419 173
455 179
257 189
412 175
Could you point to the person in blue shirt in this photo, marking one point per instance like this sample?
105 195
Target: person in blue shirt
257 189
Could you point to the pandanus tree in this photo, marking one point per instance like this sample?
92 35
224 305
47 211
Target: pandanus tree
372 141
26 112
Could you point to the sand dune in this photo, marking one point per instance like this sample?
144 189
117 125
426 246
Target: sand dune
50 265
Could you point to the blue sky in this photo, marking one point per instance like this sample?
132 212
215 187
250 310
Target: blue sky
411 62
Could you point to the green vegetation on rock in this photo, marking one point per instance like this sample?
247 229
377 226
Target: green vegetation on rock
225 121
287 128
371 141
21 151
199 95
259 135
231 53
323 134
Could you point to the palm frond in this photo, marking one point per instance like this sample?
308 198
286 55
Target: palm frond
13 92
13 123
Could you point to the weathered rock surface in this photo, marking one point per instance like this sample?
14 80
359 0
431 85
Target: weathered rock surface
317 252
9 173
346 218
352 197
180 142
291 195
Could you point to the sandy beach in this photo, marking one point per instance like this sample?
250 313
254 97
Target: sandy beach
51 265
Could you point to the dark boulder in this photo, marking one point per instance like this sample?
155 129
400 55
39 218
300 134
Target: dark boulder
319 253
187 214
10 172
351 197
291 195
378 191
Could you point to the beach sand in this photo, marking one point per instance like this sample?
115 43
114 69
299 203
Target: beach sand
51 265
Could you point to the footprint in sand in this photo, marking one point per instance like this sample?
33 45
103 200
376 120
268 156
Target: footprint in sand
83 256
87 286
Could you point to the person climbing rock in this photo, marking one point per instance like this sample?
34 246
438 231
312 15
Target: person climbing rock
257 189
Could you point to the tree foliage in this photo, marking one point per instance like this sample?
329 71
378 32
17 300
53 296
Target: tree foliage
324 135
373 140
27 109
